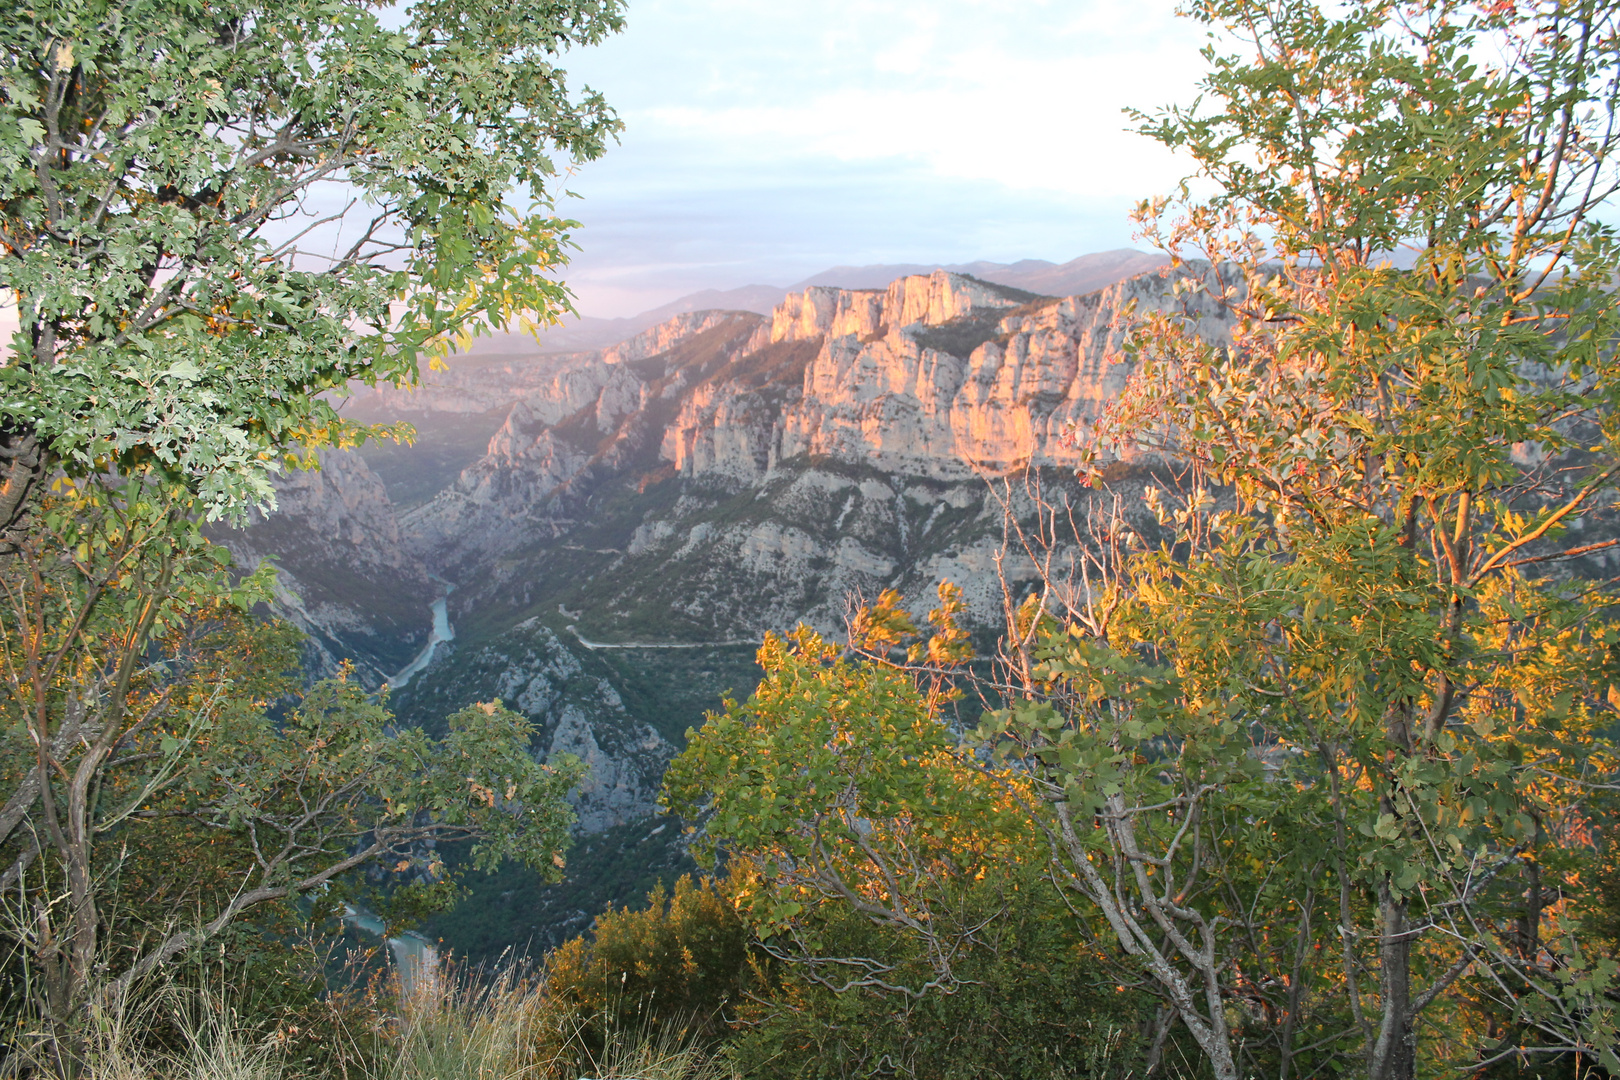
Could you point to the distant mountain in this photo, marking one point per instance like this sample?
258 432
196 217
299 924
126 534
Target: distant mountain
1086 274
759 299
621 526
588 332
1076 277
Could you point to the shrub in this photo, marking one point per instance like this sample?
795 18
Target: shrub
678 964
1032 1001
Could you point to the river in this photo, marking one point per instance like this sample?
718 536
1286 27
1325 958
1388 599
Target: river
414 955
442 631
416 958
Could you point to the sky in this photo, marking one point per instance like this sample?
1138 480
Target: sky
766 140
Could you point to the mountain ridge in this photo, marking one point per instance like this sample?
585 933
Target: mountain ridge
1083 274
716 476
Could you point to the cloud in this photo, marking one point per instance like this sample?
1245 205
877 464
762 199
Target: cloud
768 140
643 245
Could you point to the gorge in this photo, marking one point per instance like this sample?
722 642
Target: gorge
717 475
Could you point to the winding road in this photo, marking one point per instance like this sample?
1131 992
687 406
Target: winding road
594 645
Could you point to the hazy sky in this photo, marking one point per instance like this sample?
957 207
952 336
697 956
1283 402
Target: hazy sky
768 139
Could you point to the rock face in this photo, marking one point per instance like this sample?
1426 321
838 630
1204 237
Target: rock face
947 377
942 377
646 512
343 577
642 514
575 706
584 424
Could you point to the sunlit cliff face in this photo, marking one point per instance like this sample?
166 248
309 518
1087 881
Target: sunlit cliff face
941 376
720 474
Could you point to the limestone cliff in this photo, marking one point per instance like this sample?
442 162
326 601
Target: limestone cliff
343 576
937 376
590 421
669 499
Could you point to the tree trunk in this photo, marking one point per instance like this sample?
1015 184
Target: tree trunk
22 465
1393 1055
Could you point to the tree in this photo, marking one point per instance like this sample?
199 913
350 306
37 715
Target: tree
838 782
111 751
891 879
1355 707
212 214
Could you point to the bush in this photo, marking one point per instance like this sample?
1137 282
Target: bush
677 965
1032 1001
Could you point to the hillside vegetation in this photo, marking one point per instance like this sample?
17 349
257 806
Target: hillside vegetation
1210 676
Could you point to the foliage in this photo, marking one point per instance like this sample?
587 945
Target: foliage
1324 761
837 782
1029 1002
136 690
1327 767
681 963
106 572
213 213
892 880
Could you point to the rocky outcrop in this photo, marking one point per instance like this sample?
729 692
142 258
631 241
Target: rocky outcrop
668 334
723 474
581 714
908 401
939 376
342 574
490 506
591 420
821 312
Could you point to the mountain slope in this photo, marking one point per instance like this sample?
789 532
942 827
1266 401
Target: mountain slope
343 577
640 515
1085 274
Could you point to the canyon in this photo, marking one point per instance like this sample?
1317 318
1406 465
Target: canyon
621 525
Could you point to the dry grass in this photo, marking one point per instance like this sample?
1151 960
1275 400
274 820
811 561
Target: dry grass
452 1027
509 1028
213 1047
639 1055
